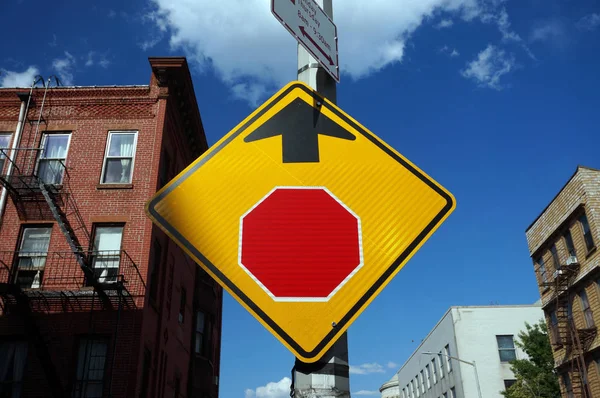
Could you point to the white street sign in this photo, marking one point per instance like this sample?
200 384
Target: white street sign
309 24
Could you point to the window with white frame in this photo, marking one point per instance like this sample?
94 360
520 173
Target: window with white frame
106 256
422 382
428 376
119 158
91 360
452 392
433 370
441 363
506 348
448 359
31 258
53 157
542 269
4 144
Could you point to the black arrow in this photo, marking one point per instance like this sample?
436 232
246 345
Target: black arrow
299 125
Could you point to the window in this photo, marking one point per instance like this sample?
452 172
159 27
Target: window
156 262
542 269
506 348
448 359
182 303
177 386
433 371
91 359
441 363
554 326
106 252
4 144
445 395
452 392
51 162
202 337
587 232
587 310
408 390
428 376
165 169
145 372
31 259
12 363
119 158
567 385
508 383
569 243
422 382
555 259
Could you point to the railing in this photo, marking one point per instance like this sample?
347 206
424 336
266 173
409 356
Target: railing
59 271
559 269
24 186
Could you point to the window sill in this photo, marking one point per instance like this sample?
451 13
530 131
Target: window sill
590 252
114 186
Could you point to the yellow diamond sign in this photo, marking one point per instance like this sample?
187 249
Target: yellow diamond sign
302 215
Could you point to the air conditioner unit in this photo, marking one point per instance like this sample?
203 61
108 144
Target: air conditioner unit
572 260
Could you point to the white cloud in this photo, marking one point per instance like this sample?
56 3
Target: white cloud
95 58
444 23
365 392
64 68
366 368
280 389
550 30
451 52
589 22
489 66
112 13
244 44
392 365
18 79
53 43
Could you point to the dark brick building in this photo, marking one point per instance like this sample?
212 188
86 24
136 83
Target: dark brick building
562 243
94 300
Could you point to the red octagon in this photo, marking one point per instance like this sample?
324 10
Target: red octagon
300 243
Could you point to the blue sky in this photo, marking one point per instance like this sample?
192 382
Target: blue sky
497 100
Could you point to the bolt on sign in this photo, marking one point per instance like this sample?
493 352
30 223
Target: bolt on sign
302 215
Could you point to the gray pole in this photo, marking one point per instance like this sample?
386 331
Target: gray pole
477 379
330 376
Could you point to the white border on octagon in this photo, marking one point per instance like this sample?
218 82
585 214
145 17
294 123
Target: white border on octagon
302 299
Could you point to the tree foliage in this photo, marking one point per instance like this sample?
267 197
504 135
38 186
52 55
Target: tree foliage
535 376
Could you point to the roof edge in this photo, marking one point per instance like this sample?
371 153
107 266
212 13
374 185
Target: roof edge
579 167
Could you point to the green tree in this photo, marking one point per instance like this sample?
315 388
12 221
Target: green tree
535 376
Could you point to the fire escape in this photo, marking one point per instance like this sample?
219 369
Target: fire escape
566 334
81 279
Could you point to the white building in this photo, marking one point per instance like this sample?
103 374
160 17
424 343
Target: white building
483 335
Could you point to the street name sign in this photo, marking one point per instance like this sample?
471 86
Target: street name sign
302 215
313 29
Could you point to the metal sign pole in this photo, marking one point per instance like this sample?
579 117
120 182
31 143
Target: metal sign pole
330 376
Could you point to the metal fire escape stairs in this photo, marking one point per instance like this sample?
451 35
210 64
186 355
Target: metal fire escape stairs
574 340
63 207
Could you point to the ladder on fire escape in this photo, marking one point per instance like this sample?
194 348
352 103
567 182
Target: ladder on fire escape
566 328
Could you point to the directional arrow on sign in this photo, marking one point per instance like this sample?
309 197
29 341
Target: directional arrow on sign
299 125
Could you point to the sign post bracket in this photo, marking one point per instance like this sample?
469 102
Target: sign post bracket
314 379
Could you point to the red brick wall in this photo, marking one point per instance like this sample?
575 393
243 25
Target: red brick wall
88 114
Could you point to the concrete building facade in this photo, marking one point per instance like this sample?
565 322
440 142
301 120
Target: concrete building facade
94 300
483 335
562 243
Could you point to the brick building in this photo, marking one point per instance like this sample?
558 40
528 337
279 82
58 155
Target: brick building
562 243
94 300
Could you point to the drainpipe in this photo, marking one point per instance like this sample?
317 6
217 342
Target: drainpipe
15 144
